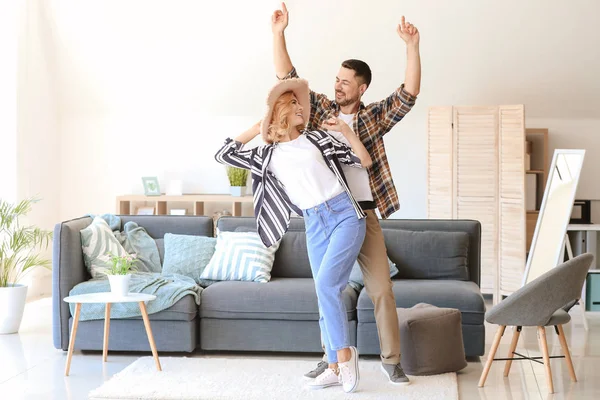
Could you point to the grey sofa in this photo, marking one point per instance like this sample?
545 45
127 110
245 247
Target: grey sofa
281 315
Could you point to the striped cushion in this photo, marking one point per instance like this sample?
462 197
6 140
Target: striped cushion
96 241
240 256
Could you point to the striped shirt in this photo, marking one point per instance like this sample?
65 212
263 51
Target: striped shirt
272 205
371 123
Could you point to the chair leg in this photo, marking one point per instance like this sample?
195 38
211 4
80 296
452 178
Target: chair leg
490 359
546 356
563 343
513 347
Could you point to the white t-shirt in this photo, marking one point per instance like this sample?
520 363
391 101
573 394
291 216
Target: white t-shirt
300 166
357 178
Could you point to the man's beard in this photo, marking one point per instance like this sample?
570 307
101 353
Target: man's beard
346 101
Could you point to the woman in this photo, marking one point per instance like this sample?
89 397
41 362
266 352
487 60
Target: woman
300 170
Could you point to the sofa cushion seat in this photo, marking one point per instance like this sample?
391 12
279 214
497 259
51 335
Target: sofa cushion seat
184 310
292 299
462 295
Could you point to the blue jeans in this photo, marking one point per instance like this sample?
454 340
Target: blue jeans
334 236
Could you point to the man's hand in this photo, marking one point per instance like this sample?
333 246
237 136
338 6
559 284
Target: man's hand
279 20
407 32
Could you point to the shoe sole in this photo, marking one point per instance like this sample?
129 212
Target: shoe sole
312 387
390 379
355 354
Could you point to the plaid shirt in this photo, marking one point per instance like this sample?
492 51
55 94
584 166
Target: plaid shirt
371 122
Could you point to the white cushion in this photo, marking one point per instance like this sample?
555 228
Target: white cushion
240 256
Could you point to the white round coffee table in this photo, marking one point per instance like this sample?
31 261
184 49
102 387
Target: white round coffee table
108 298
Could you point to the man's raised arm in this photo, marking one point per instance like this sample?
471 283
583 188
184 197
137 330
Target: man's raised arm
410 34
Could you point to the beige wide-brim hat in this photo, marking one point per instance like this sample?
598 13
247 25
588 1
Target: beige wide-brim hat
299 87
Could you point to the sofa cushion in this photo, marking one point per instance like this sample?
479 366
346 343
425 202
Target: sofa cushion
160 245
281 299
240 256
97 241
428 254
184 310
158 225
464 296
356 279
188 255
291 260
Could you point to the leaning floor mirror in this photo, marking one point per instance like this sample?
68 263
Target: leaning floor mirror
547 249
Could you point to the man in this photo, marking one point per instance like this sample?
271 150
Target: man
373 188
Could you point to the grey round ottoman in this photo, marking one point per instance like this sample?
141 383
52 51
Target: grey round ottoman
431 340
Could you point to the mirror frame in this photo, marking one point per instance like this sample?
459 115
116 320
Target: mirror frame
560 250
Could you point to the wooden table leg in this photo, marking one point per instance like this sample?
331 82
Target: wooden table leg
73 335
106 332
149 333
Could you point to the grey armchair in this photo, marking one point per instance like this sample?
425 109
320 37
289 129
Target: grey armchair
540 303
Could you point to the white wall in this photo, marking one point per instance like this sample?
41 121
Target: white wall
152 88
8 100
38 140
115 90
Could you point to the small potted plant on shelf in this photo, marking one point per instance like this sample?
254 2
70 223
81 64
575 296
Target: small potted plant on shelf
18 254
237 180
119 273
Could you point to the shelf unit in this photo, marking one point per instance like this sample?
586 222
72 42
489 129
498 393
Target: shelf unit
125 204
540 163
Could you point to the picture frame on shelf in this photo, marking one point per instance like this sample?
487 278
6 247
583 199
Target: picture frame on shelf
145 211
151 186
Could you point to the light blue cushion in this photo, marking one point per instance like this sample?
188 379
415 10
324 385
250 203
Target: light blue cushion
356 276
241 256
188 255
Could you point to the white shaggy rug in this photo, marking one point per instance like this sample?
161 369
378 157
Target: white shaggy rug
215 377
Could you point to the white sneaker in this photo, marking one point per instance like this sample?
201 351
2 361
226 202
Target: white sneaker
326 379
349 374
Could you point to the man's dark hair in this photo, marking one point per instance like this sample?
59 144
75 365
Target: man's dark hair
360 68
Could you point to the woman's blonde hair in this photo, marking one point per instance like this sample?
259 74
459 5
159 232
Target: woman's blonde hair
279 126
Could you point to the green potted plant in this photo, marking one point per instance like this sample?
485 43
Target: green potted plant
237 180
119 273
19 253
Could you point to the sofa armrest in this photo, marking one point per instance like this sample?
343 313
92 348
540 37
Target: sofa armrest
68 270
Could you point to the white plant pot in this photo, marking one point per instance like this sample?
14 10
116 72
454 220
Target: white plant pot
119 284
238 190
12 304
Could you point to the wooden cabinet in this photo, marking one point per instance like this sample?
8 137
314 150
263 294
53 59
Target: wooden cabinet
476 170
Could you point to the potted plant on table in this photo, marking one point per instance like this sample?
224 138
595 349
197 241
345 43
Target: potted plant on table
237 180
19 246
119 273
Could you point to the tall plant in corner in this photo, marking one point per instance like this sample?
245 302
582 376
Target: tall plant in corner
19 253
